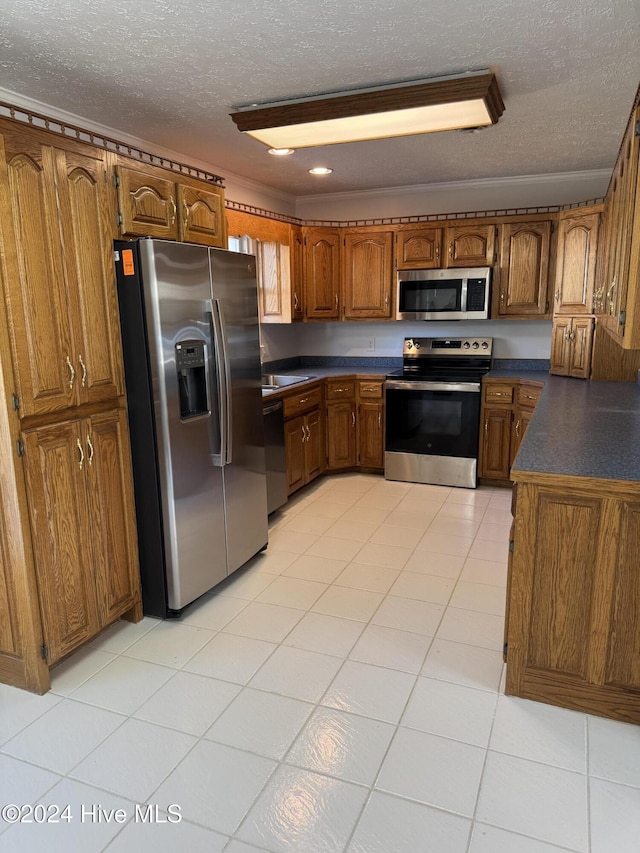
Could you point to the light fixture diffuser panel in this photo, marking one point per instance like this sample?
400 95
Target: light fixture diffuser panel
408 122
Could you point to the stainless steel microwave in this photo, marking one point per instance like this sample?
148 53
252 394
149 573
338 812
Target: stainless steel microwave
452 294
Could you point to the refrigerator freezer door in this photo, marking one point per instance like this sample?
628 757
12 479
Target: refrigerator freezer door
234 287
177 293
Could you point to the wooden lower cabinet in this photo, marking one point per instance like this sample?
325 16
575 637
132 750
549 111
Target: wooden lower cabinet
574 595
507 408
371 435
342 437
304 449
80 495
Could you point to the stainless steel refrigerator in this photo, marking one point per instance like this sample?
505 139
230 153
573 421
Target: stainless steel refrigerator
189 320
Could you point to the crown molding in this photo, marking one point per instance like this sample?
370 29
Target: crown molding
31 105
448 186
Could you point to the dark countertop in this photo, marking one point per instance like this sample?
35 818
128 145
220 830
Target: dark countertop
584 429
316 373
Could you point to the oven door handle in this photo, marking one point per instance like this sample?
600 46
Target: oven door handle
415 385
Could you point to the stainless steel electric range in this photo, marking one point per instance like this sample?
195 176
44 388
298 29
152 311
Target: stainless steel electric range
433 411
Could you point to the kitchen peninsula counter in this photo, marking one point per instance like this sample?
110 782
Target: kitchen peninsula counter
573 597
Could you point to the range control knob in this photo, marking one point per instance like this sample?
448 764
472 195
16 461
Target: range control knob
475 345
417 345
485 344
409 344
466 345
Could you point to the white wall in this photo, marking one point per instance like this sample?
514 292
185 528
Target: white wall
457 196
511 338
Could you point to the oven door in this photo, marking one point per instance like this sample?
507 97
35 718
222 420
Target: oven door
432 432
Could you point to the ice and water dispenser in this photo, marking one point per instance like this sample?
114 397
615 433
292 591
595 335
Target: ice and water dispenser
192 381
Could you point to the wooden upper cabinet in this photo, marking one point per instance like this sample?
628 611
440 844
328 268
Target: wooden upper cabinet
420 249
470 246
367 282
87 236
575 264
147 203
296 258
201 214
464 246
571 345
322 273
274 282
61 284
524 270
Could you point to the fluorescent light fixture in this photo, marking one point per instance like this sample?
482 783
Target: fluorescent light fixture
320 170
404 109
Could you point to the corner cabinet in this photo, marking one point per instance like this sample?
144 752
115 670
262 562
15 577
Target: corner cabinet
522 287
367 275
151 203
322 273
571 340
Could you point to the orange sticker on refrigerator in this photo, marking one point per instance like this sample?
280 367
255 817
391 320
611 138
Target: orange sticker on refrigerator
127 262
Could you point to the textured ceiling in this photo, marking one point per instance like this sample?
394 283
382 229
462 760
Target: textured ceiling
171 73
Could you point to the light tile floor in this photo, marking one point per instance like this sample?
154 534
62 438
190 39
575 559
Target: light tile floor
341 693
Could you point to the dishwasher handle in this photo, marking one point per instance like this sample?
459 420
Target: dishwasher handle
273 407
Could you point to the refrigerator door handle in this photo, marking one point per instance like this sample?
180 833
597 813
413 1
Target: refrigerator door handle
223 370
217 438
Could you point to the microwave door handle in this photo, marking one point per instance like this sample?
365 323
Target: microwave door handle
218 423
463 294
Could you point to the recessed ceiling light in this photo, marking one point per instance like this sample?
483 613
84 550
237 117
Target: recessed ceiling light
281 152
320 170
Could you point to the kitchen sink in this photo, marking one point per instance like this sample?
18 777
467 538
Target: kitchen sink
271 381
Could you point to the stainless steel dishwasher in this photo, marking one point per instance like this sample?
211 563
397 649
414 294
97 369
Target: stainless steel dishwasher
274 453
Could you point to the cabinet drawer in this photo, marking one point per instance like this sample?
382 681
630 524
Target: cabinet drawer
302 401
370 389
494 393
528 395
341 389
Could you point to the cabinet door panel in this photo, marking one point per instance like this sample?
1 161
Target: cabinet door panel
575 264
60 526
294 434
84 204
623 664
470 246
367 275
201 216
147 204
580 352
322 274
35 285
419 249
371 434
524 269
297 268
114 538
314 450
560 346
496 441
341 435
